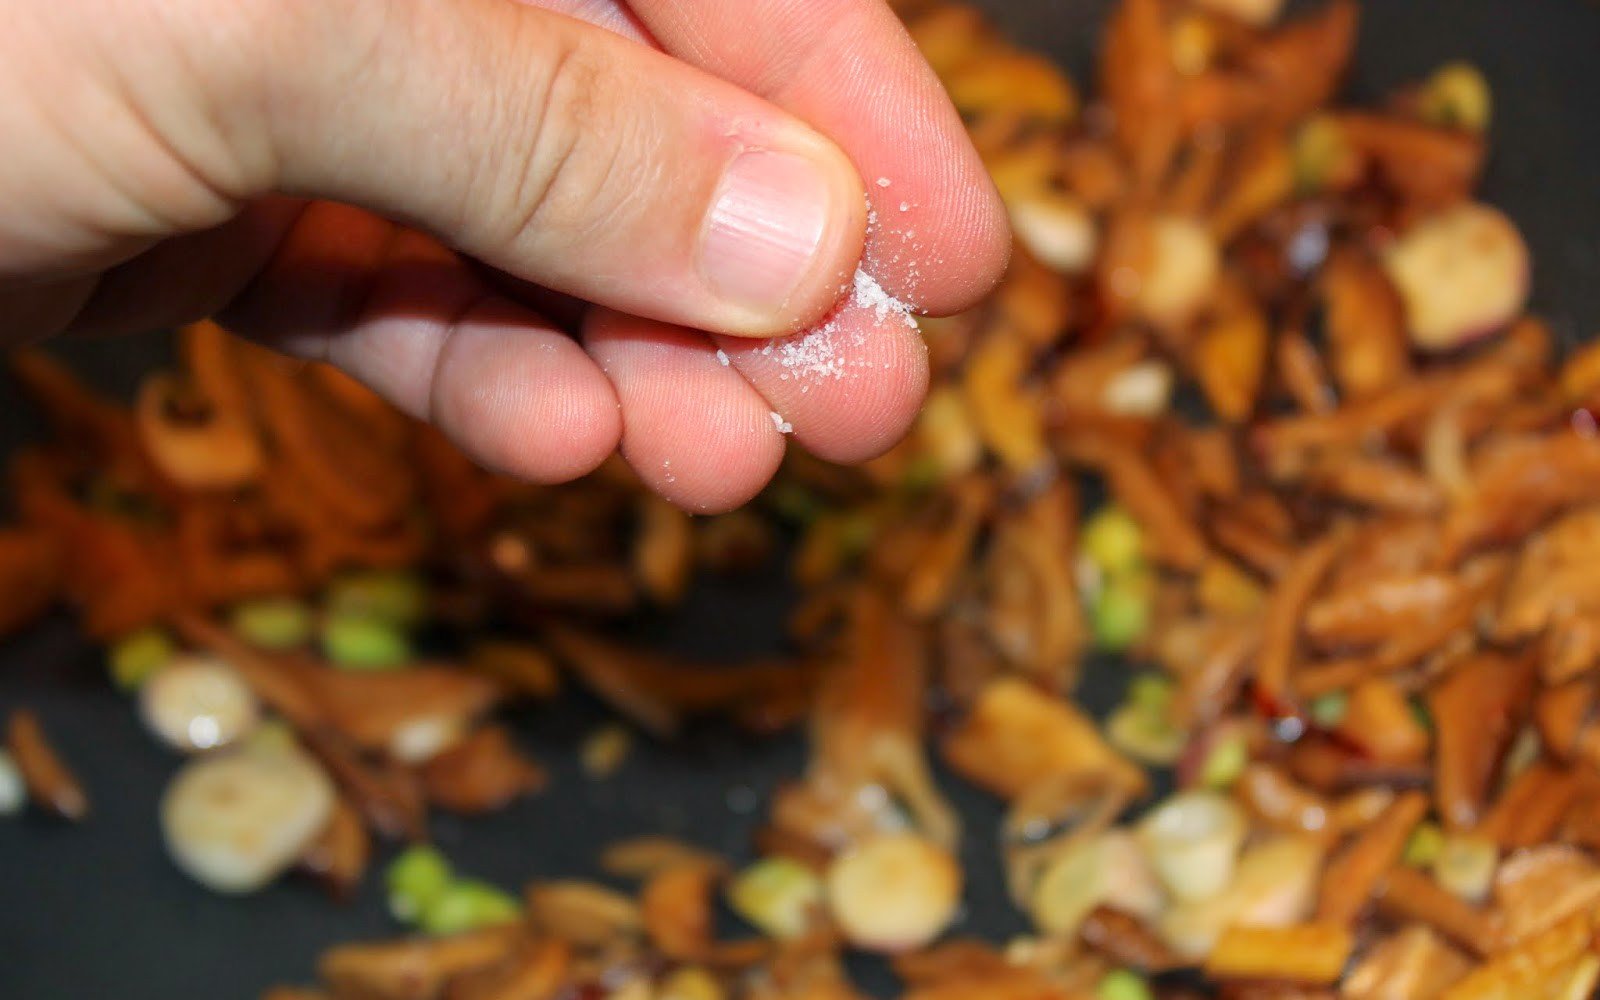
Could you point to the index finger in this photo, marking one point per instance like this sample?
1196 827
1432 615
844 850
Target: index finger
849 68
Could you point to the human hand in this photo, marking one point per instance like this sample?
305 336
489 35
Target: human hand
417 191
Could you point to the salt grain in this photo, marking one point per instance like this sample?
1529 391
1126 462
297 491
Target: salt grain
870 295
783 426
722 357
883 182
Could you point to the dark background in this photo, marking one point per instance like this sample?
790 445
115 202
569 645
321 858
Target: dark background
96 911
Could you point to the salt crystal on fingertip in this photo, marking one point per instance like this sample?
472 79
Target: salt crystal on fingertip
783 426
722 357
883 182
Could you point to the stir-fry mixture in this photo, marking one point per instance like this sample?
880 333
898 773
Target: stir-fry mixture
1352 578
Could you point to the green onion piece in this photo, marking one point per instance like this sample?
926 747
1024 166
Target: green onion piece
1457 96
1121 613
1152 692
1147 736
1113 541
415 879
1329 710
138 655
1123 984
274 623
467 905
394 598
1424 846
353 642
777 895
1224 763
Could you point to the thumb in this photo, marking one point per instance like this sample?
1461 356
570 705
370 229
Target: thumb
552 149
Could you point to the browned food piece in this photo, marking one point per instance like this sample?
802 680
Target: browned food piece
583 914
1477 710
30 577
1281 620
540 970
1536 888
1366 328
1017 738
1532 968
1531 808
1381 723
339 855
51 785
1414 962
1373 610
1407 894
1355 872
482 773
413 968
1310 953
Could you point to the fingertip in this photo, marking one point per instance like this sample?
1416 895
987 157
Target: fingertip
850 388
523 398
693 429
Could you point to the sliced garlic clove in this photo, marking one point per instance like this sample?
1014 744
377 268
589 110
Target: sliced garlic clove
1057 229
237 820
198 703
1193 841
1462 274
894 892
1140 390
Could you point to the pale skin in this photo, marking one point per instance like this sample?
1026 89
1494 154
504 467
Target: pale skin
532 224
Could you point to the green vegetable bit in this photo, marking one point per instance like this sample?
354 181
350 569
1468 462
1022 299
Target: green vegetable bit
1152 693
275 623
1329 710
394 598
1424 846
467 905
354 642
1123 984
1225 762
137 656
416 879
1113 541
1121 613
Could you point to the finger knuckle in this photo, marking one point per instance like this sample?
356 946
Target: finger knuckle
574 146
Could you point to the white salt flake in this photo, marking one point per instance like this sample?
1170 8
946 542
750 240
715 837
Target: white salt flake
783 426
722 357
905 206
870 295
883 182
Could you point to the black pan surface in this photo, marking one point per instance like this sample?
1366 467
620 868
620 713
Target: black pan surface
96 911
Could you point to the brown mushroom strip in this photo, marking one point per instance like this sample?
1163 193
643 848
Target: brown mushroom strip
1381 484
50 783
1531 809
339 855
1354 873
1366 328
1407 894
414 968
1280 629
482 773
1374 610
1477 709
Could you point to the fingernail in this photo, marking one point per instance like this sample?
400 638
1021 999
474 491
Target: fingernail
767 221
